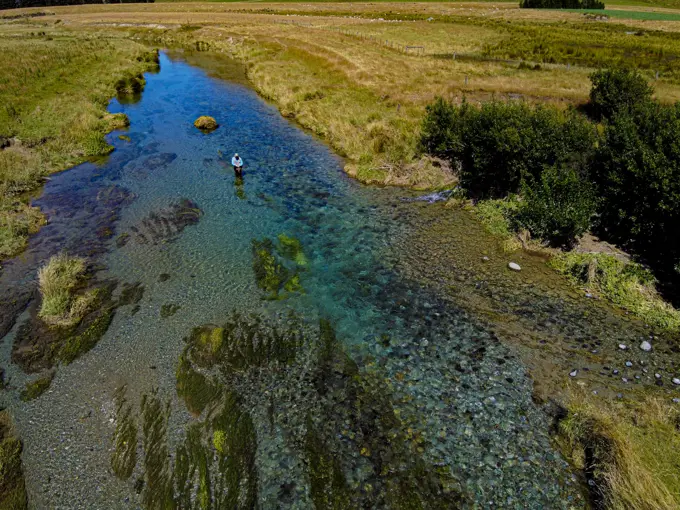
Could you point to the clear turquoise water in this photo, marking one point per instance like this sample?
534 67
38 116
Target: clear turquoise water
468 394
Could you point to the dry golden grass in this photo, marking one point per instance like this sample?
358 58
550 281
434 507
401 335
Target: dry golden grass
635 448
57 279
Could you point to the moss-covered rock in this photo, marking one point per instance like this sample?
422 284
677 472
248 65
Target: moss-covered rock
81 343
206 123
37 387
291 248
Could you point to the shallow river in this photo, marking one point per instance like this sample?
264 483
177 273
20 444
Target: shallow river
463 400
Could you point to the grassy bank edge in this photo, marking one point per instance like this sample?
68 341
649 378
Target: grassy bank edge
33 151
628 451
626 284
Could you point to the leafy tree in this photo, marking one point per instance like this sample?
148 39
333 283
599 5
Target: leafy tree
557 207
638 176
500 144
617 91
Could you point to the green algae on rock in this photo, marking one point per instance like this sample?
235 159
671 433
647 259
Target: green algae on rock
169 309
158 486
194 387
131 294
12 485
124 457
81 343
269 266
37 387
243 342
291 248
206 123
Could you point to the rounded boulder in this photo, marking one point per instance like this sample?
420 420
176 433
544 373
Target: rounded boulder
206 123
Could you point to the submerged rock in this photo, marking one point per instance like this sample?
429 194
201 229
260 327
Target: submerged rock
206 123
514 266
167 224
646 346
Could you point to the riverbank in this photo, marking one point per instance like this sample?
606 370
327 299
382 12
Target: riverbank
55 89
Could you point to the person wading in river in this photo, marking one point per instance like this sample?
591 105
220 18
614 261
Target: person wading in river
237 163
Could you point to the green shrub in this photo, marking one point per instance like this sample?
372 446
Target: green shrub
558 207
561 4
627 284
638 175
501 144
617 91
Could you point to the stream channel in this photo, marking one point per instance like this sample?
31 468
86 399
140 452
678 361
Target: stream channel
396 399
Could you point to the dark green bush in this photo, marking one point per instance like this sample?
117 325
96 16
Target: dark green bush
501 144
561 4
558 207
617 91
638 175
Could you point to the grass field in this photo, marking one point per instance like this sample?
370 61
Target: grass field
635 15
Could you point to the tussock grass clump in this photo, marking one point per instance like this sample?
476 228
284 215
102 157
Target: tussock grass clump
631 453
57 280
626 284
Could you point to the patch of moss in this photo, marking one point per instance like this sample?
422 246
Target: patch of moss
291 248
270 274
169 309
328 487
12 486
125 138
81 343
124 457
36 388
195 388
131 294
